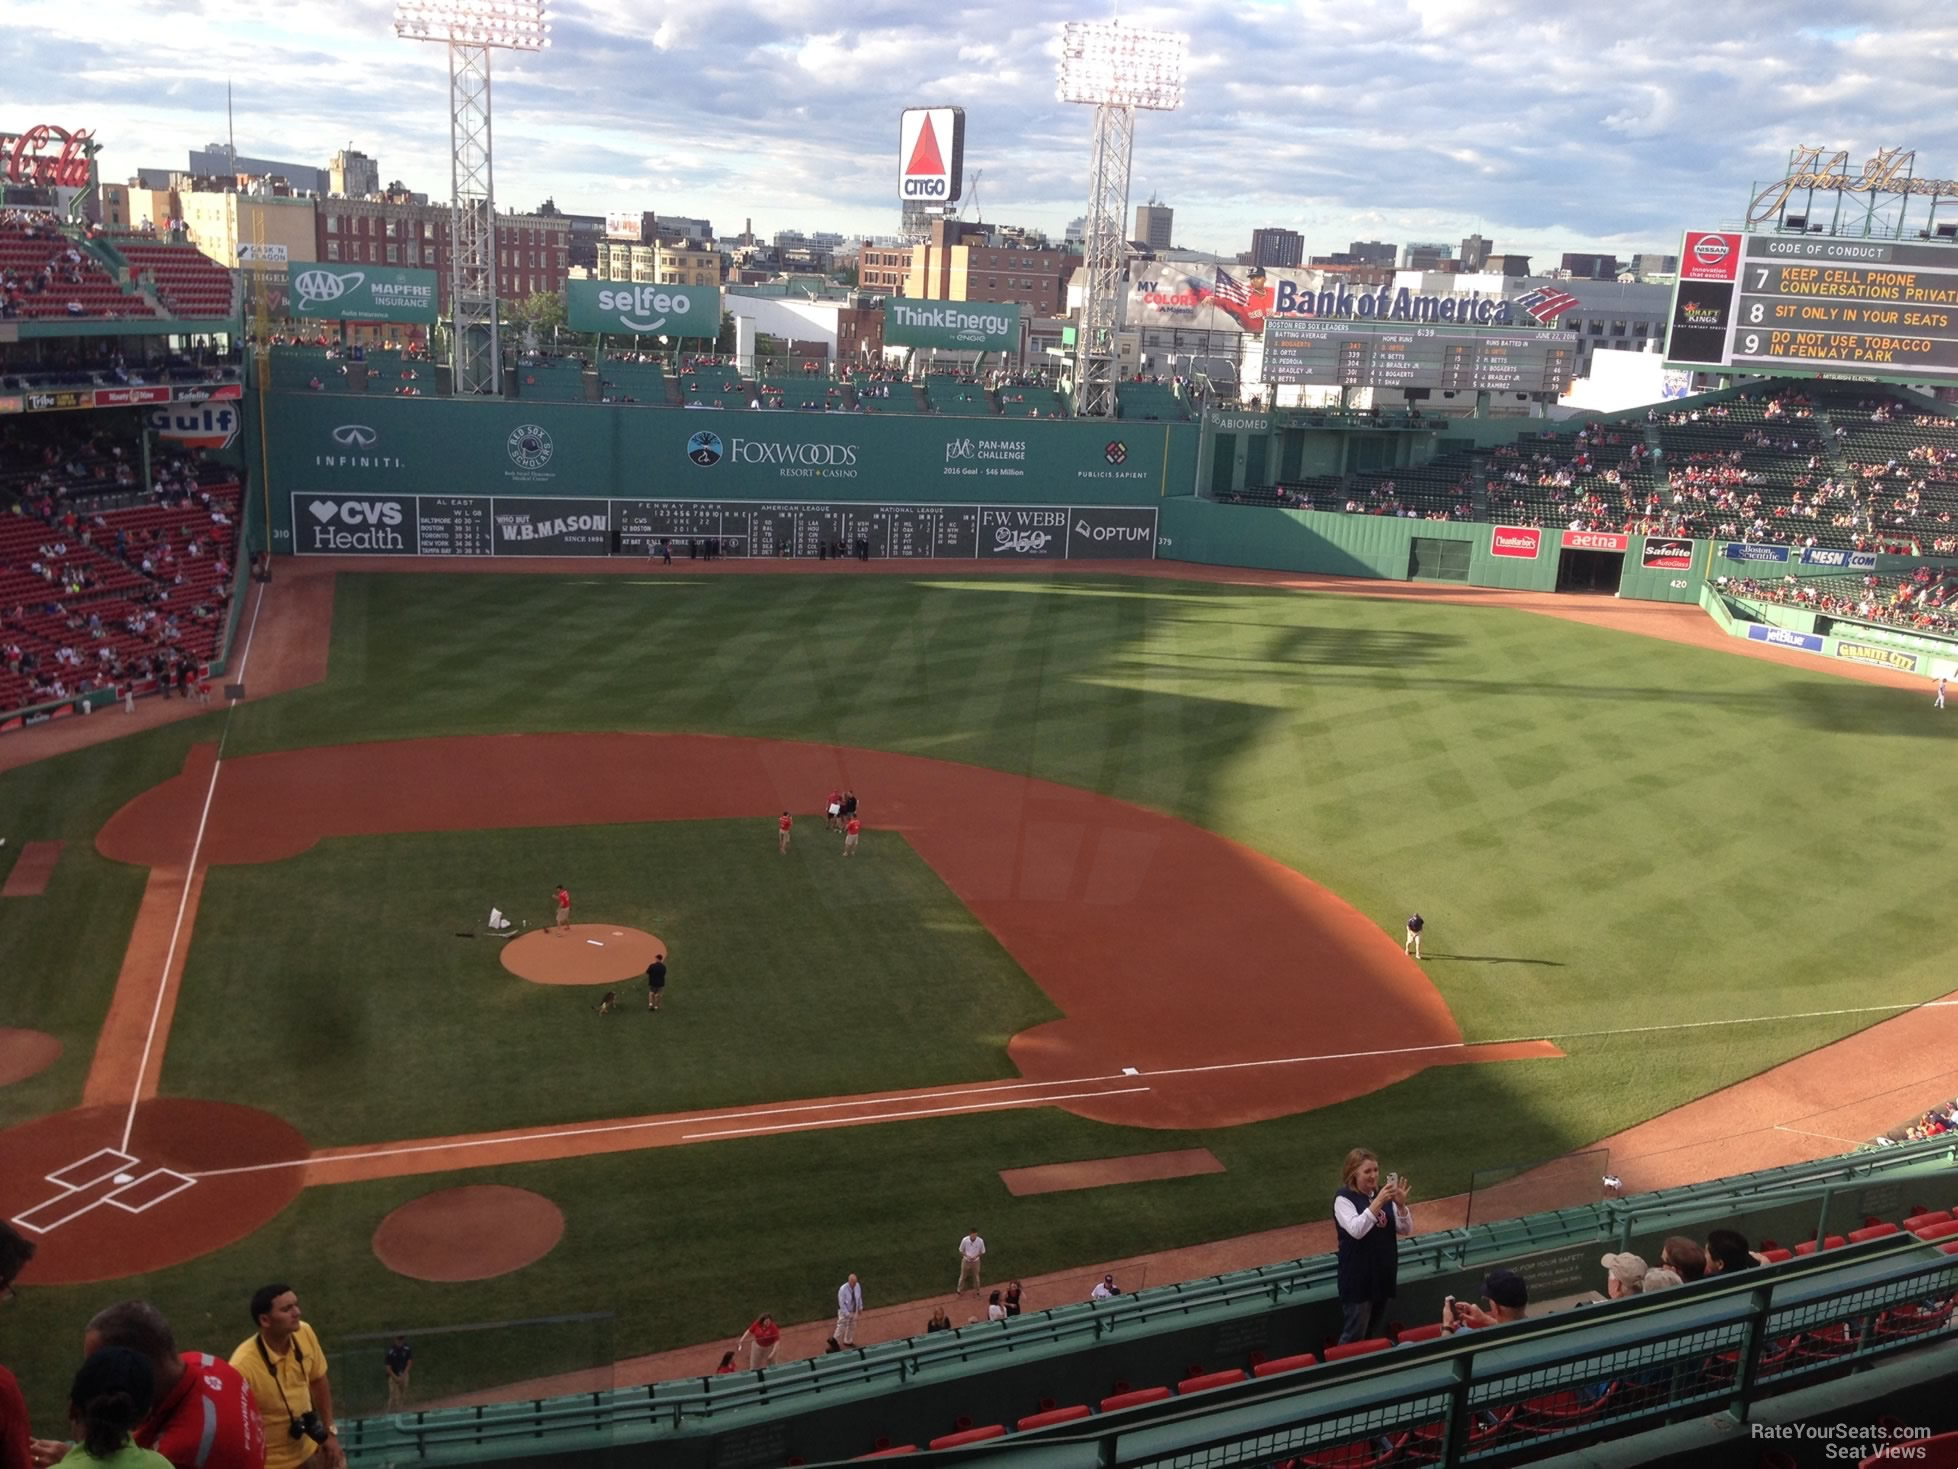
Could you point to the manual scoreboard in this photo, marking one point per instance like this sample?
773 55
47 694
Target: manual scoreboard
1361 354
1824 304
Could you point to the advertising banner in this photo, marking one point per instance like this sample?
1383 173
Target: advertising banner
12 403
59 402
362 525
1750 551
1596 540
960 326
552 527
125 397
1111 532
1709 255
1878 657
643 310
931 154
1667 553
1241 298
212 425
1782 637
363 293
1522 541
1848 560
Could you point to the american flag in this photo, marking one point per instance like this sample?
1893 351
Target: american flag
1546 303
1230 289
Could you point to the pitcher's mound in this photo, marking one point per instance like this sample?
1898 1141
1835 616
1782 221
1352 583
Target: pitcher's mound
471 1233
585 953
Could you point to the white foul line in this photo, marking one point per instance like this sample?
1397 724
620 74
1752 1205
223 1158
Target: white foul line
901 1116
176 932
643 1124
927 1096
250 632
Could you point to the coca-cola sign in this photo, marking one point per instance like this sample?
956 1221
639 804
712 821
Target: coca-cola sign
46 157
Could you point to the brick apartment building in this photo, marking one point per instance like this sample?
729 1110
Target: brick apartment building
533 251
956 264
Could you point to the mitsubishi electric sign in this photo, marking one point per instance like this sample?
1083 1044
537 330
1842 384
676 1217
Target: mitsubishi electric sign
959 326
640 309
930 154
376 293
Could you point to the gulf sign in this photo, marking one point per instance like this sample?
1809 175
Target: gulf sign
931 154
1710 255
209 425
1524 541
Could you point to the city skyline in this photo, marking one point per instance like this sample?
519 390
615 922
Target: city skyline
1409 120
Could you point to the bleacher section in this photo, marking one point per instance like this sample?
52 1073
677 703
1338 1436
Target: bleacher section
948 393
1112 1382
188 282
1030 402
800 393
632 382
326 370
887 396
1149 400
27 249
715 387
551 380
94 598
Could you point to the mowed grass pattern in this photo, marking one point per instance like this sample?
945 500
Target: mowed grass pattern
793 976
1607 833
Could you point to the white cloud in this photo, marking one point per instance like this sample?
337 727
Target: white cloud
1543 125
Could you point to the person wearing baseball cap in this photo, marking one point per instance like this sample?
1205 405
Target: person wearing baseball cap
1624 1275
1508 1297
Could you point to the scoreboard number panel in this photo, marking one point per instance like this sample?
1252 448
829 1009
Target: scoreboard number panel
1841 307
1393 355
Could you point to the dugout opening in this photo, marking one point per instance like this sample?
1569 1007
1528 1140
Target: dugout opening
1590 571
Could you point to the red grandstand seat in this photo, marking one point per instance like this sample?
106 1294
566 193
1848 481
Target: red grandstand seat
968 1435
1133 1399
1939 1231
1776 1255
1919 1222
1558 1412
1914 1320
1284 1364
1949 1247
1829 1242
1054 1415
1872 1231
1363 1455
1357 1348
1940 1452
890 1453
1410 1334
1204 1381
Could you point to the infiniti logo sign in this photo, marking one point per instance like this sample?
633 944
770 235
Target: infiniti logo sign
355 435
356 441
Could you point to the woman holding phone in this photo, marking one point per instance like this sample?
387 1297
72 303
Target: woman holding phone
1371 1216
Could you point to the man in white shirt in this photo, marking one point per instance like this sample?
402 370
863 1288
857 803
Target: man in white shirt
849 1305
972 1250
1106 1289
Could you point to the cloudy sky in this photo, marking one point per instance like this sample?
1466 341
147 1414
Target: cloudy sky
1545 125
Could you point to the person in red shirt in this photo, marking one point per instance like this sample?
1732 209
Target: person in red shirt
851 830
563 897
15 1251
782 833
761 1339
203 1415
833 809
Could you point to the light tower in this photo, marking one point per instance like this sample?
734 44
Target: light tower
472 29
1115 69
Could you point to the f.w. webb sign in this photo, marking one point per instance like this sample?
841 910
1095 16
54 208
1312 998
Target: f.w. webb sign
959 326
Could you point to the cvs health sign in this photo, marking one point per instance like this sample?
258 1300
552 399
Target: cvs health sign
931 154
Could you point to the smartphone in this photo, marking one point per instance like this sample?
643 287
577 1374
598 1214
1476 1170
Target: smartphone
1393 1179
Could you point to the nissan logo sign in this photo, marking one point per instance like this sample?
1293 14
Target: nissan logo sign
355 435
325 285
1711 249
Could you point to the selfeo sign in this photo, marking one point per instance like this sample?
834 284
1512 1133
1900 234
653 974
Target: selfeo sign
931 154
641 309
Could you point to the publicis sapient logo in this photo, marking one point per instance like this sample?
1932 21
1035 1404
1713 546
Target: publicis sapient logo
791 461
312 287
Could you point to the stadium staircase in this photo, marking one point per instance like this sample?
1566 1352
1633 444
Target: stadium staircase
24 250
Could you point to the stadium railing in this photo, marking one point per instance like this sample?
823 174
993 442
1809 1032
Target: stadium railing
1171 1324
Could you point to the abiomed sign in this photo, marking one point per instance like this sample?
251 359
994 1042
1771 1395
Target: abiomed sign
628 308
341 293
961 326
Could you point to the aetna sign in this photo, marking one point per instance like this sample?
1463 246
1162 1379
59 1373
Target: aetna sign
931 154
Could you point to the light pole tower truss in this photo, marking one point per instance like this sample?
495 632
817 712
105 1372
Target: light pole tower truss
1117 69
472 29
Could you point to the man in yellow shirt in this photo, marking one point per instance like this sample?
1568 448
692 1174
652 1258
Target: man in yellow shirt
286 1368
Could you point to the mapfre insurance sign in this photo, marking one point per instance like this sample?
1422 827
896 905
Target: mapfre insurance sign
931 154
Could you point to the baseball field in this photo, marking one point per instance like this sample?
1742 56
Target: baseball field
1136 857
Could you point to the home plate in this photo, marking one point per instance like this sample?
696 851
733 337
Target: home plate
125 1178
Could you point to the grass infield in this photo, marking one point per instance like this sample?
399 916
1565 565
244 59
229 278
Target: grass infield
1604 832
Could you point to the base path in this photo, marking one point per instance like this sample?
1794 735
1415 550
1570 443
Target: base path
1104 904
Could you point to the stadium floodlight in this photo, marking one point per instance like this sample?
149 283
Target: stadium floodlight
1116 69
471 29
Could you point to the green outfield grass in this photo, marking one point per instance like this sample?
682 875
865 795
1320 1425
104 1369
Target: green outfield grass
796 976
1605 833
